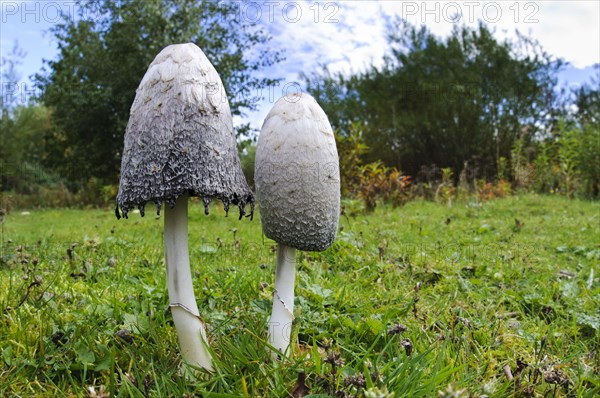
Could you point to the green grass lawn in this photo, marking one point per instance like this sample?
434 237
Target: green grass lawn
500 299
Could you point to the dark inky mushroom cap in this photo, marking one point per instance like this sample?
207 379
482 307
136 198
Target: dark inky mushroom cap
180 138
297 175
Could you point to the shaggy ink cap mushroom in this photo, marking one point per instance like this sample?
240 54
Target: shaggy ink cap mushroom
297 175
180 138
179 142
297 180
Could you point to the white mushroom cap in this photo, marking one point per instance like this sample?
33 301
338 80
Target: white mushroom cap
297 175
180 138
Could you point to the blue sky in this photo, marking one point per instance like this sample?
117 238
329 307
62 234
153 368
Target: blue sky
349 35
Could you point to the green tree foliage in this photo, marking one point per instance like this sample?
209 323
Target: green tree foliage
587 101
247 158
351 148
444 101
22 150
23 126
104 52
567 160
590 159
587 136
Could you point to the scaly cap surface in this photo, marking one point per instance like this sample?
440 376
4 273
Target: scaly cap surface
180 138
297 175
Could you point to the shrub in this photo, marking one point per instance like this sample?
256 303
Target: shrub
484 190
522 169
40 197
546 170
378 182
588 156
487 190
446 191
502 188
569 162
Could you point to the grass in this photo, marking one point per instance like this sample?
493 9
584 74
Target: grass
498 299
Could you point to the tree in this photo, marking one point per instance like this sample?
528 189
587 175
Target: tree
23 126
587 136
22 151
587 101
444 101
103 54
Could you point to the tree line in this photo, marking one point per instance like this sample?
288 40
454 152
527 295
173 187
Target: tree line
466 99
467 103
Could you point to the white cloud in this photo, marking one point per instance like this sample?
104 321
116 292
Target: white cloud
344 36
566 29
570 30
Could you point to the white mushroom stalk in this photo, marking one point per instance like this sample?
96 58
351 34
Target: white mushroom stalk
282 316
298 188
180 142
191 333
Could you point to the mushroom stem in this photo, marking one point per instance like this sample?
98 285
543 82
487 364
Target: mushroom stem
190 328
282 316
